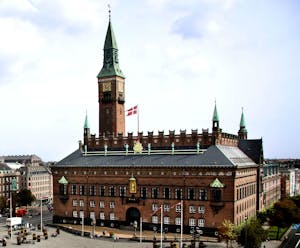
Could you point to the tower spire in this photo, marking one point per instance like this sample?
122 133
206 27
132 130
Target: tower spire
215 114
86 130
215 125
86 121
242 131
110 59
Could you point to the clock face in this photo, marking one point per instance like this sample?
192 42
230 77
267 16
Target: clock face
106 86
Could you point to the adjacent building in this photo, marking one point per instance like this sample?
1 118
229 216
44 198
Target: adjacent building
34 175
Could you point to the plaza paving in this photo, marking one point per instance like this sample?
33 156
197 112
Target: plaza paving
65 239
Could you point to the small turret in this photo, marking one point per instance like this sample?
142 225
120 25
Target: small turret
215 120
216 130
242 131
86 131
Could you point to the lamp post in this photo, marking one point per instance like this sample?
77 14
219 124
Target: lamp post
82 225
246 227
41 214
13 187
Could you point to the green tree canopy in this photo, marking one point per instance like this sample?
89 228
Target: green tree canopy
2 203
25 197
284 214
296 200
252 234
227 231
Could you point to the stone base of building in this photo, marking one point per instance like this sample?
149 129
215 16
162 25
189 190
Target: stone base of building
206 231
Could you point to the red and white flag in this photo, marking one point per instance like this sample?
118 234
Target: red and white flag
132 111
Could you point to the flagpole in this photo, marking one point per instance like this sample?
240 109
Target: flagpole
138 120
161 224
181 222
141 227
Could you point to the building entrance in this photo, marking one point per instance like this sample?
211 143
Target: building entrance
132 215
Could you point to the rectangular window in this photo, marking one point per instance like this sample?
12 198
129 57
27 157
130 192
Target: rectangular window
201 209
177 221
122 191
75 203
112 191
167 193
166 207
75 214
154 219
102 216
178 208
166 220
74 190
81 203
102 204
92 215
192 209
178 194
102 190
63 190
155 193
112 216
154 207
81 190
216 195
111 204
191 194
92 204
192 222
201 222
92 190
81 214
203 194
144 192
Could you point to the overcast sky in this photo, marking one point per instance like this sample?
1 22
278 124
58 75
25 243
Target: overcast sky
178 58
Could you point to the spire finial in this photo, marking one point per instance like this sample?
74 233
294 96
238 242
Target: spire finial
109 11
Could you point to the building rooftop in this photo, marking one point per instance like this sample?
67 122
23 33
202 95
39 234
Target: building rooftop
214 156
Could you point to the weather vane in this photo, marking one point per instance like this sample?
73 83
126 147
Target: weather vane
109 11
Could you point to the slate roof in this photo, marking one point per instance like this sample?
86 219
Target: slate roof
4 166
253 149
214 156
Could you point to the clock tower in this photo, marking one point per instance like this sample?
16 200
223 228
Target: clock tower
111 89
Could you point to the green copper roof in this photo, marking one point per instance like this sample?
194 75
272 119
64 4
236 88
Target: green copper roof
215 115
86 122
110 40
216 184
242 122
111 60
63 180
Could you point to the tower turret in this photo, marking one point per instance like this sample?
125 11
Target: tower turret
86 131
216 130
215 119
111 89
242 131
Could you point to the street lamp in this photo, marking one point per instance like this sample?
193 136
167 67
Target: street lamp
13 188
246 218
94 225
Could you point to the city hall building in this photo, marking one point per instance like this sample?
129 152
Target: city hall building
196 178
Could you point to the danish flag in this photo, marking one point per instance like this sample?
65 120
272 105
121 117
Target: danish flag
132 111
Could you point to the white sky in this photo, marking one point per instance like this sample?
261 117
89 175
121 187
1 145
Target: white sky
177 56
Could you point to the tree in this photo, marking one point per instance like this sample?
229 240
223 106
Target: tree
25 197
284 214
227 231
252 234
296 200
2 203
